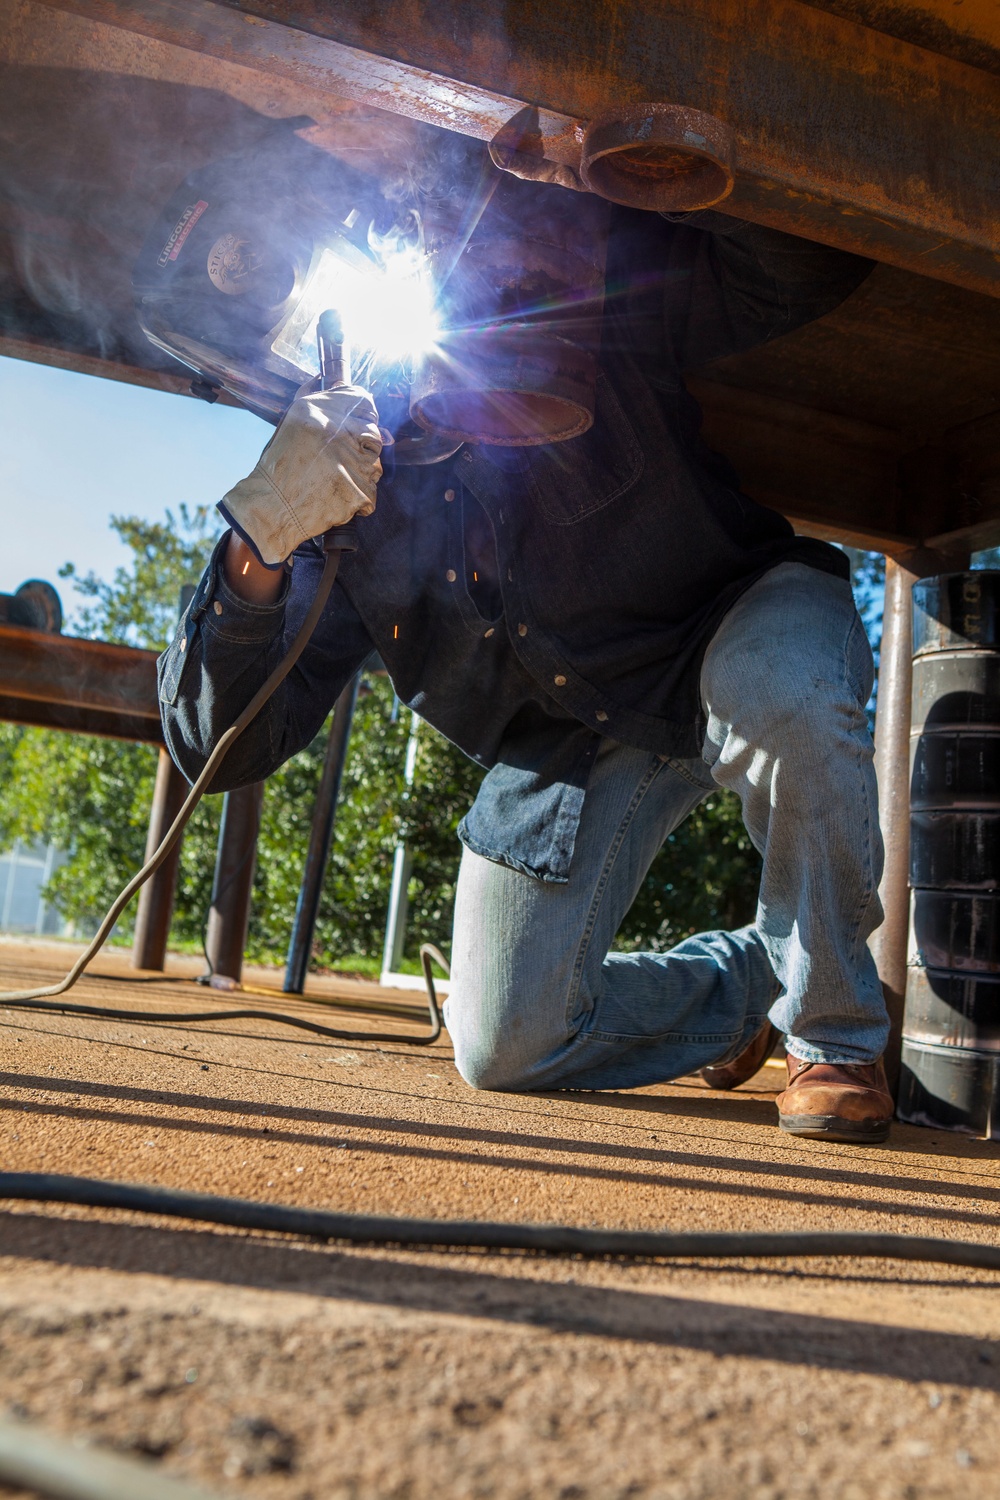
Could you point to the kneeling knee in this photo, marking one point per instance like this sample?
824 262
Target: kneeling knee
490 1069
484 1055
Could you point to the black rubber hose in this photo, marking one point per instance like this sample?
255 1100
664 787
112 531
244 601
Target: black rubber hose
552 1239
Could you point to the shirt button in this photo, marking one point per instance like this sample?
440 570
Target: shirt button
559 680
522 630
488 634
217 607
451 575
449 494
601 716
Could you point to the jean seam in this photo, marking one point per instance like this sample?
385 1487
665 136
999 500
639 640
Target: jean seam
638 797
682 771
677 1038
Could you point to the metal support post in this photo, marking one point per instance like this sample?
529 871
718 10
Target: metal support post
156 899
892 767
235 860
399 901
320 840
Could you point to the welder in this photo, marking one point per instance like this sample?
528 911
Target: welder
613 631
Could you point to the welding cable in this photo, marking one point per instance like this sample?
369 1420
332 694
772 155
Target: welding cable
551 1239
48 1465
428 953
36 999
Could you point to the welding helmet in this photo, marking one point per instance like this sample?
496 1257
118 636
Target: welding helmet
250 250
231 277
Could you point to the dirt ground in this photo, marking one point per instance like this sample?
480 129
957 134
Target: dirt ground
261 1365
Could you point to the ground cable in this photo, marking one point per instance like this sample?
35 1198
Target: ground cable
552 1239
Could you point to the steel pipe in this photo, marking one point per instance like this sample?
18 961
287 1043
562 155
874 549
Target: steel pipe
235 862
156 899
320 840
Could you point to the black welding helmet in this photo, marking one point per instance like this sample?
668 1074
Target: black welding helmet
239 265
252 249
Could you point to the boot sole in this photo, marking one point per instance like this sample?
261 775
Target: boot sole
835 1128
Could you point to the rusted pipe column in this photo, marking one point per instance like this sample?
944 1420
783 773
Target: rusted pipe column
156 899
320 840
235 861
892 767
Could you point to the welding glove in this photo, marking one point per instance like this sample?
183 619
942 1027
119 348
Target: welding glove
318 471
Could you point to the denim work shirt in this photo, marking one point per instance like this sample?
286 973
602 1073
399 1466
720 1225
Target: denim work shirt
527 601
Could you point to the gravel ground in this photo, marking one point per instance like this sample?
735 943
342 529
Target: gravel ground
261 1365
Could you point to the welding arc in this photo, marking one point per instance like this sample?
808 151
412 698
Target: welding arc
36 999
551 1239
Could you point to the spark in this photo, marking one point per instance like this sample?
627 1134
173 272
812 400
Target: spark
395 632
246 567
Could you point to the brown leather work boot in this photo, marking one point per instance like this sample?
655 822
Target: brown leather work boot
836 1101
753 1057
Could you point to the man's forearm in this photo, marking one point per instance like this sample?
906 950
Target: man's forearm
226 646
247 577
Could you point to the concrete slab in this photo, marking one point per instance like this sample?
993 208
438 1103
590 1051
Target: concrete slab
268 1366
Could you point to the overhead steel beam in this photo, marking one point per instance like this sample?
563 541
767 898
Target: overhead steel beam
845 134
89 687
177 384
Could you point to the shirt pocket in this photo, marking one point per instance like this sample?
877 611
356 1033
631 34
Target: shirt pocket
572 480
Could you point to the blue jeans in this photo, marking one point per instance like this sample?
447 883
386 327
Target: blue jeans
538 1002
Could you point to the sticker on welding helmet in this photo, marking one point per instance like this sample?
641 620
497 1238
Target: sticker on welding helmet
180 232
231 264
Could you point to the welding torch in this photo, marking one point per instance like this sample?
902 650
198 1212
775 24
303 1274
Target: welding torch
335 372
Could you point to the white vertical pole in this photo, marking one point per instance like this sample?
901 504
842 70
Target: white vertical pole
11 882
46 877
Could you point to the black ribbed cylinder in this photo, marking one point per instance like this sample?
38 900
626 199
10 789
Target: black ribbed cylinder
951 1031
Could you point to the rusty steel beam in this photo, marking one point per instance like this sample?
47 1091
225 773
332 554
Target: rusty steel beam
176 383
845 134
774 444
102 722
87 686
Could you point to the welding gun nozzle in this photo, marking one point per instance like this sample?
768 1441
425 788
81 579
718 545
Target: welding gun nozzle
334 357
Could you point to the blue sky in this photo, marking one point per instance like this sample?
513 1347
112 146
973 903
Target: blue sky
76 449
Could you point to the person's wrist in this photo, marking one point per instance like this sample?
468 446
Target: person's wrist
247 576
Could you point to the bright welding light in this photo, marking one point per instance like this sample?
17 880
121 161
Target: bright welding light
393 314
388 311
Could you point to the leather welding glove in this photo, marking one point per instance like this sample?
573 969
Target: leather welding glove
319 470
